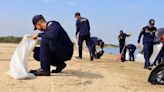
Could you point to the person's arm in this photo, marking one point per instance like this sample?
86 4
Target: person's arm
127 35
88 25
77 27
140 35
119 38
139 38
52 32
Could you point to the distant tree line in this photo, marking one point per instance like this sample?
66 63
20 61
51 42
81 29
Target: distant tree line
13 39
10 39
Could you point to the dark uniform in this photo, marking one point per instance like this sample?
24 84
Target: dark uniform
160 57
122 40
83 28
131 49
148 42
95 41
56 47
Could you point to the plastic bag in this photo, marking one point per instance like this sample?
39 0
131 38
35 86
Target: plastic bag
156 49
19 64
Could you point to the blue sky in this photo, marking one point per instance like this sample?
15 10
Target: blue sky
106 17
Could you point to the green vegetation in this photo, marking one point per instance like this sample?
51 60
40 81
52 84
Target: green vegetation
10 39
13 39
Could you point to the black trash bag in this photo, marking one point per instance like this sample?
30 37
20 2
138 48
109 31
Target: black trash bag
157 75
99 54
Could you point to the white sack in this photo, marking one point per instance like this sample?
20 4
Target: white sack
19 63
157 48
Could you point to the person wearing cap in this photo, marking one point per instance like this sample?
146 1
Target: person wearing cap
131 48
148 34
83 29
95 41
122 39
160 39
56 46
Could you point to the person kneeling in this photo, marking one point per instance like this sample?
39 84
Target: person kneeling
56 46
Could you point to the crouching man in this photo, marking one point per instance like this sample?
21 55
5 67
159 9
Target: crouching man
94 42
131 48
56 46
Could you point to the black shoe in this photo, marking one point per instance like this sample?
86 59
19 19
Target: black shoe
149 68
59 68
91 58
40 72
78 57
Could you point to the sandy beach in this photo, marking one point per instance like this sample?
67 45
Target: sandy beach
105 75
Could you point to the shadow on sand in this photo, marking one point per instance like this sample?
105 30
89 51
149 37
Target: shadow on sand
79 73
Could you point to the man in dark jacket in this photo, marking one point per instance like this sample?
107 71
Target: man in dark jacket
122 40
83 29
56 46
148 34
95 41
131 48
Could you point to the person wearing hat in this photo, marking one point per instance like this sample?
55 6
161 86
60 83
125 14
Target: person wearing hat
122 39
83 29
148 34
56 46
95 41
160 39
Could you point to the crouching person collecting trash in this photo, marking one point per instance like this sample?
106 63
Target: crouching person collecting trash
96 42
56 46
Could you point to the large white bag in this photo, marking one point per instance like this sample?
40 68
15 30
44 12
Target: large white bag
19 63
157 48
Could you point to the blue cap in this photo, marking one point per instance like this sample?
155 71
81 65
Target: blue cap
158 34
35 20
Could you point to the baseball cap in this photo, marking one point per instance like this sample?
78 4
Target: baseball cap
152 22
35 19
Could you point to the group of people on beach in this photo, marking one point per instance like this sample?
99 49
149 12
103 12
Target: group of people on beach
56 47
150 35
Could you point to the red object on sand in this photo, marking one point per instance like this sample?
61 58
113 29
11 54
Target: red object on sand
119 58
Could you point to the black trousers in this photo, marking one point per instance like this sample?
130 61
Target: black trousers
47 58
80 43
148 50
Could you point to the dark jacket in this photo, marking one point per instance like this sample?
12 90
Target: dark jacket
131 47
57 40
82 27
148 35
122 38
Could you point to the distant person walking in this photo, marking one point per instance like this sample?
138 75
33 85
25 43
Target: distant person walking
148 34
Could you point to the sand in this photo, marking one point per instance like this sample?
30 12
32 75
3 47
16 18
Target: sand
105 75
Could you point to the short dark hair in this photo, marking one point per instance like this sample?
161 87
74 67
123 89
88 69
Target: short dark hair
77 14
